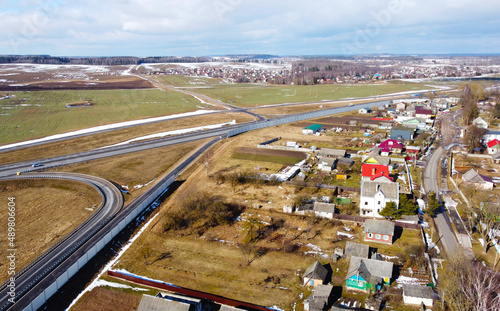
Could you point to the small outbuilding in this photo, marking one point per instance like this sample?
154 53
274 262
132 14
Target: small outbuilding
315 275
356 249
365 110
418 295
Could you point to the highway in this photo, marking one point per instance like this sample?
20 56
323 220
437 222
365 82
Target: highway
83 246
44 271
43 265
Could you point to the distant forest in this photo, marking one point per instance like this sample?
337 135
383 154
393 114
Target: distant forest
108 61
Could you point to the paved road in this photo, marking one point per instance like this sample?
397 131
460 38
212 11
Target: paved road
101 233
43 265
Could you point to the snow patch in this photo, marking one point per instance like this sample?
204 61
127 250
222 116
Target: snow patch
106 127
118 285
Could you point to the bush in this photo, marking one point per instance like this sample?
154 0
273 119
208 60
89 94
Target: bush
202 210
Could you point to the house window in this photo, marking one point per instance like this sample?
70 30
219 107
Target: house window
386 237
370 235
377 236
311 282
378 203
366 203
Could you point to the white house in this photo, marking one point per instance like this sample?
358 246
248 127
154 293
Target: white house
418 295
400 107
326 164
364 110
480 123
375 194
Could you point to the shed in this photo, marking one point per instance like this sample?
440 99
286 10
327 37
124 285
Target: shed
315 275
319 299
418 295
364 110
151 303
356 249
325 210
330 153
311 129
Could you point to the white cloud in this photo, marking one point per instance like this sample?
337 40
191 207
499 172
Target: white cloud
198 27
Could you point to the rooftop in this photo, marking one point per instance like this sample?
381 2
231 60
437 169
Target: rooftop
418 291
376 268
379 226
389 189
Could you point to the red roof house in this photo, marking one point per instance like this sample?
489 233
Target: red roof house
493 146
370 170
391 144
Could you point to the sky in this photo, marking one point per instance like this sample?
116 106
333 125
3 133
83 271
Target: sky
221 27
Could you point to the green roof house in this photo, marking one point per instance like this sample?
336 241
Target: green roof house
311 129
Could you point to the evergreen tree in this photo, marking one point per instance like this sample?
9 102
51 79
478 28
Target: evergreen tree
432 204
390 211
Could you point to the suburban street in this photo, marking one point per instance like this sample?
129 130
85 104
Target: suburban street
448 133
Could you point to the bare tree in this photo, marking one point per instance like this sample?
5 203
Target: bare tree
469 286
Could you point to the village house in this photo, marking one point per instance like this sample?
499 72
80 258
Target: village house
418 295
401 107
414 123
491 135
356 249
369 170
480 123
478 181
496 157
378 230
376 193
493 146
312 129
368 274
315 275
402 134
326 164
391 146
364 110
320 298
423 114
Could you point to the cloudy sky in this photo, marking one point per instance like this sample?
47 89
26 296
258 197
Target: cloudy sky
219 27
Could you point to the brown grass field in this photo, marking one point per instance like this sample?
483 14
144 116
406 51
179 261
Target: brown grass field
40 203
123 170
213 260
108 299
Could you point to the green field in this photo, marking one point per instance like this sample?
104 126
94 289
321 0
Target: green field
180 81
246 95
37 114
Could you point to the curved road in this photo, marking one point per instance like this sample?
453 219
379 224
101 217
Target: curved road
43 265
